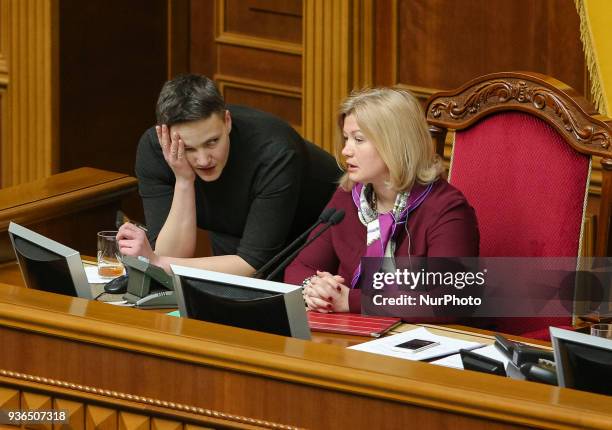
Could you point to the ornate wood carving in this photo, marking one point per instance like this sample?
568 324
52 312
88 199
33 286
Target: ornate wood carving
160 424
75 410
100 418
559 105
128 421
105 416
9 398
475 100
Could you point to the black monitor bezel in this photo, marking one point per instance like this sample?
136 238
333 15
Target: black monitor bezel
73 259
559 338
292 294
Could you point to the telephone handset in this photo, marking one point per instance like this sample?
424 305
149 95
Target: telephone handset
149 286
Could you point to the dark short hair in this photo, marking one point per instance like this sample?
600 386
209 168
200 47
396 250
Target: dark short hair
188 98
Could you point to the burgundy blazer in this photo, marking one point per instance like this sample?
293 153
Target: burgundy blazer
444 225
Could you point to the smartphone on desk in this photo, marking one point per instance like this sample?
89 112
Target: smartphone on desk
415 345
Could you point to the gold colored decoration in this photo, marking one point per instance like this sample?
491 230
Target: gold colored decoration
106 418
521 92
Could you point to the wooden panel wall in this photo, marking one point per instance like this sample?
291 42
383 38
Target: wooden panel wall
294 58
29 144
326 67
3 126
253 49
4 31
257 53
432 45
428 46
113 64
4 23
78 82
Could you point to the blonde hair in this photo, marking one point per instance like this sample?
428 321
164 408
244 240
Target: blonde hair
393 120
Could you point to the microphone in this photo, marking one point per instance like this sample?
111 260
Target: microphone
333 220
323 218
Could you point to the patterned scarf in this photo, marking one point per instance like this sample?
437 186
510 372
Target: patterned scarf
382 228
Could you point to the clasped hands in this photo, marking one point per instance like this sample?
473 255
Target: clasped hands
326 293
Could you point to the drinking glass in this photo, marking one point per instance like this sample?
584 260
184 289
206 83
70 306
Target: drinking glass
602 330
109 259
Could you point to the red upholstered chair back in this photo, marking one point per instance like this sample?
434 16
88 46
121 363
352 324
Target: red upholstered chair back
527 185
521 155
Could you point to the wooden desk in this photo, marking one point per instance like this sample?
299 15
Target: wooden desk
10 274
84 200
126 368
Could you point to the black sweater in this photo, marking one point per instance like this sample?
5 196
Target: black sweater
272 188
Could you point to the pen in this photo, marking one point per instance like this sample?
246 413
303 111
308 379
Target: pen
122 218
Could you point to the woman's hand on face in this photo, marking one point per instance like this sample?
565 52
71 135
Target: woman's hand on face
327 293
133 241
173 149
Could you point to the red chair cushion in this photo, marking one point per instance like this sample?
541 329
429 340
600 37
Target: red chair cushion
527 186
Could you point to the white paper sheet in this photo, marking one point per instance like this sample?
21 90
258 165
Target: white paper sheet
121 303
453 361
447 345
492 352
93 277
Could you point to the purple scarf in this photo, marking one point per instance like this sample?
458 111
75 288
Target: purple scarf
388 222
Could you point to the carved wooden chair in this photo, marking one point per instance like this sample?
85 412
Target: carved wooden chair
522 154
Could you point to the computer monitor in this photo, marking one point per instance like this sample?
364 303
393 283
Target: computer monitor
583 362
240 301
48 265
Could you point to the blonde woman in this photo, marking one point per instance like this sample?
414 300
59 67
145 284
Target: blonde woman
395 202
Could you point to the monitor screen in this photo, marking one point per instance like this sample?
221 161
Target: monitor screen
240 301
584 362
48 265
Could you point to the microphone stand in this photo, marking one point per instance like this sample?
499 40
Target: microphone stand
333 220
323 218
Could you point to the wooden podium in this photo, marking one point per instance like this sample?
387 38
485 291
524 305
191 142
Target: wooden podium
121 368
128 369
